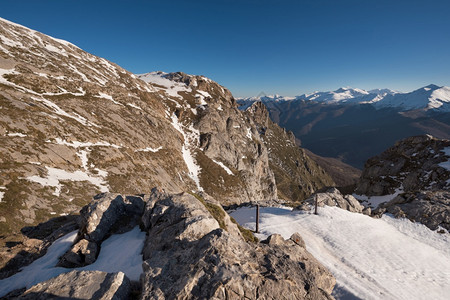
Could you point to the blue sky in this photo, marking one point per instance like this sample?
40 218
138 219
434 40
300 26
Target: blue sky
282 47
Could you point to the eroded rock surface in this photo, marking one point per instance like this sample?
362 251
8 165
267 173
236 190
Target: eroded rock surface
417 168
106 214
431 208
412 164
332 197
188 254
194 250
81 285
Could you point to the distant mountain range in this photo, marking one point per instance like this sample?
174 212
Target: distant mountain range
353 124
430 97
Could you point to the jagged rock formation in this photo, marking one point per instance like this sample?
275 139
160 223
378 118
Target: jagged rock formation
332 197
107 214
296 174
417 170
412 164
431 208
194 250
188 254
81 285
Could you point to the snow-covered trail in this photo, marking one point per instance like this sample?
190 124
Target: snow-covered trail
383 258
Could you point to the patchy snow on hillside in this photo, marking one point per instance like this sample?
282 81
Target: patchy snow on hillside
120 252
229 172
149 149
55 175
170 87
2 192
16 134
371 258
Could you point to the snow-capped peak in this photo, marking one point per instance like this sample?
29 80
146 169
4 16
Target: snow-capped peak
426 98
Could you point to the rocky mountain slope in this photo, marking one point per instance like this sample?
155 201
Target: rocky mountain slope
73 125
410 179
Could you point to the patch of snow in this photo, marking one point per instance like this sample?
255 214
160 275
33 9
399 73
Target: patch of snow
134 106
229 172
249 133
18 134
52 48
82 75
77 144
122 249
204 94
170 87
370 258
83 155
108 97
149 149
375 201
59 111
54 176
219 108
190 136
2 193
446 164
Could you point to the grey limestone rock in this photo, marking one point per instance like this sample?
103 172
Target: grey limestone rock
191 253
332 197
106 214
431 208
81 285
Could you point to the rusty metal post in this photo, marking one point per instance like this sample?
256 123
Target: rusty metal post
315 210
257 218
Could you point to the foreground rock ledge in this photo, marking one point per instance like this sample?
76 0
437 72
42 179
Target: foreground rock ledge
193 250
81 285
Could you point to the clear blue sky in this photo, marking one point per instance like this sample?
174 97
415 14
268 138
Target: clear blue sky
283 47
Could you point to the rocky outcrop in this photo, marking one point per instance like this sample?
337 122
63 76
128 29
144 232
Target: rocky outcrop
412 164
194 250
81 285
431 208
105 215
416 169
191 254
332 197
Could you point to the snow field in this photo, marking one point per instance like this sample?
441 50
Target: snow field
120 252
383 258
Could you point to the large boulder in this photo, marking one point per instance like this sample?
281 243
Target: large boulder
332 197
193 252
106 214
81 285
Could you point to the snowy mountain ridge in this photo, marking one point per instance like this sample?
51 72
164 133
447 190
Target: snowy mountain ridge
430 97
